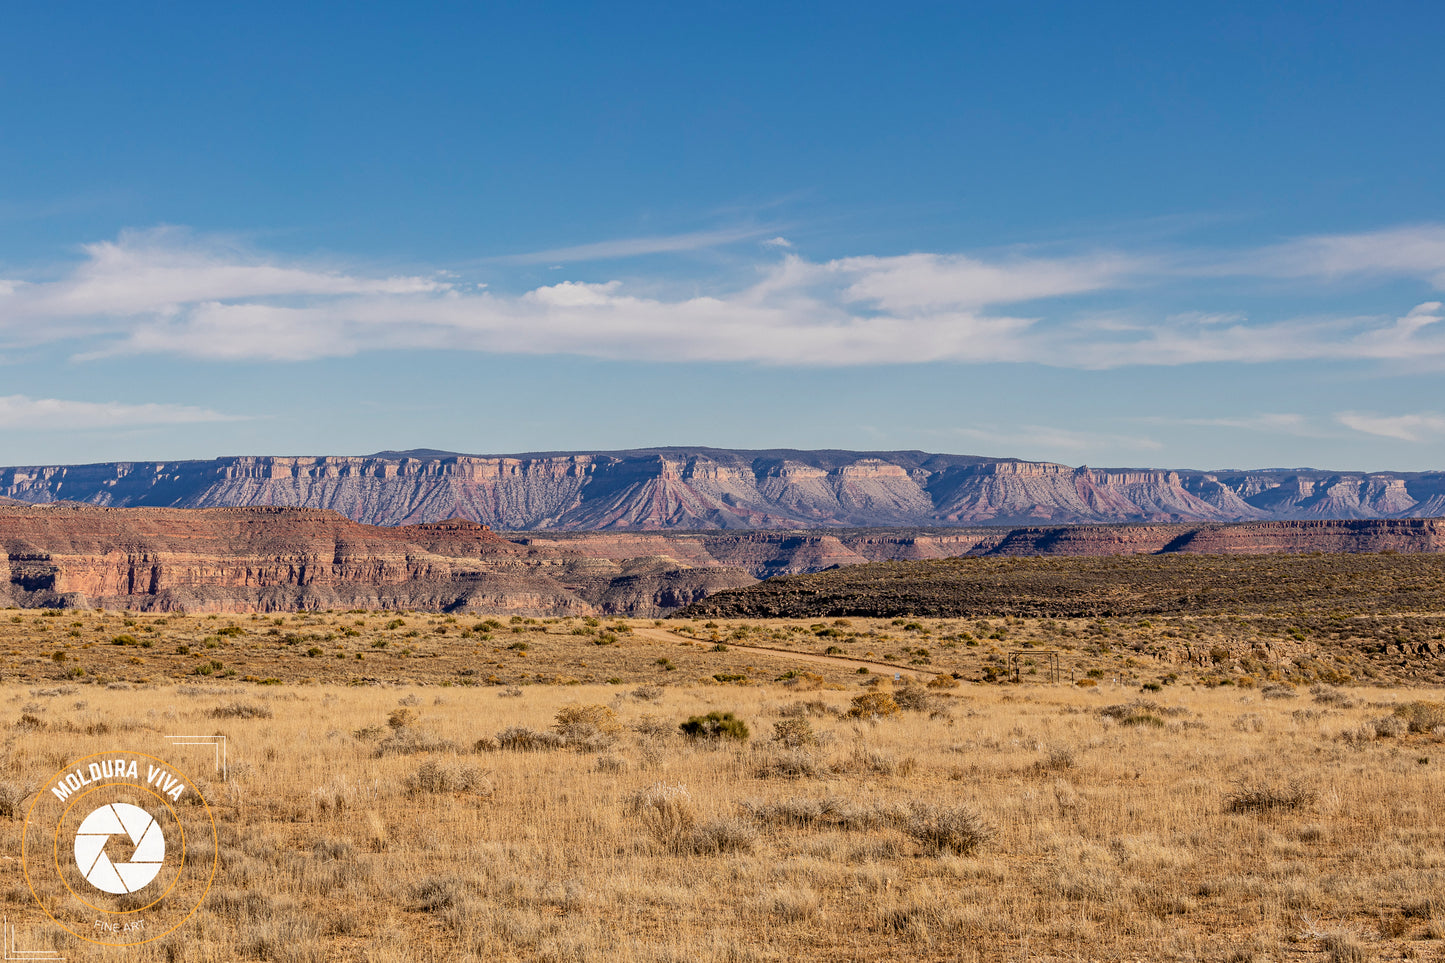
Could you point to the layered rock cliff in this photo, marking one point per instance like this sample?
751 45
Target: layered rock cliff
707 488
265 559
268 559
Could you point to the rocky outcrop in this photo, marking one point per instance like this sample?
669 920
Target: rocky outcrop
264 559
707 488
768 553
267 559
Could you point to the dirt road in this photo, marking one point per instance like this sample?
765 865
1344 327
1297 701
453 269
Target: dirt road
873 665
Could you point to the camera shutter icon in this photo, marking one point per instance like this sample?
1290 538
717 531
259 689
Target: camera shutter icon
144 833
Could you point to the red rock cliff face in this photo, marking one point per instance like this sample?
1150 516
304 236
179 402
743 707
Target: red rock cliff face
679 489
275 559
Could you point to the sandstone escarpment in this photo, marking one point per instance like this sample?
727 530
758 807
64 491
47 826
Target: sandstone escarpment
705 488
287 558
266 559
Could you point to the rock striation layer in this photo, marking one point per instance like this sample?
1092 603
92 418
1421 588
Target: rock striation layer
711 488
267 559
275 559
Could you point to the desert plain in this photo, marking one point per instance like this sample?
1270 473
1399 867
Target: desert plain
411 786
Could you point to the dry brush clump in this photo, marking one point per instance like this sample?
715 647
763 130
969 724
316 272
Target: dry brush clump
794 733
1261 794
813 707
13 793
406 741
1140 712
527 739
830 811
1057 759
873 705
912 698
1423 716
940 828
947 828
793 764
241 710
669 815
436 777
587 728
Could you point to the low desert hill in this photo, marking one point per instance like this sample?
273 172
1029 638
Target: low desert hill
1134 586
712 488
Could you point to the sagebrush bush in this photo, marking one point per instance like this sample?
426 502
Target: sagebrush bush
241 710
433 776
600 717
13 794
813 707
715 725
871 705
794 733
825 811
666 812
527 739
1327 695
409 742
1056 759
947 829
1422 716
795 764
879 762
611 763
1260 795
721 836
913 698
1389 727
436 893
587 728
1140 712
654 727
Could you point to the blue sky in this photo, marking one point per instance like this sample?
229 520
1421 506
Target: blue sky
1207 235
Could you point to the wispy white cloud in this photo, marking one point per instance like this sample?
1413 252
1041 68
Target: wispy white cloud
1051 438
54 414
636 246
1283 423
1408 339
1425 426
170 292
1416 251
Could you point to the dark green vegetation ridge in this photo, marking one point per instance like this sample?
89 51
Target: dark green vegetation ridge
1132 585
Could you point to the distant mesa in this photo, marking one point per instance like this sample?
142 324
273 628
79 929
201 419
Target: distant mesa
661 489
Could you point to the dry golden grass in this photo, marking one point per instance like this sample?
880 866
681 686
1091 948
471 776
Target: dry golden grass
982 821
359 648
